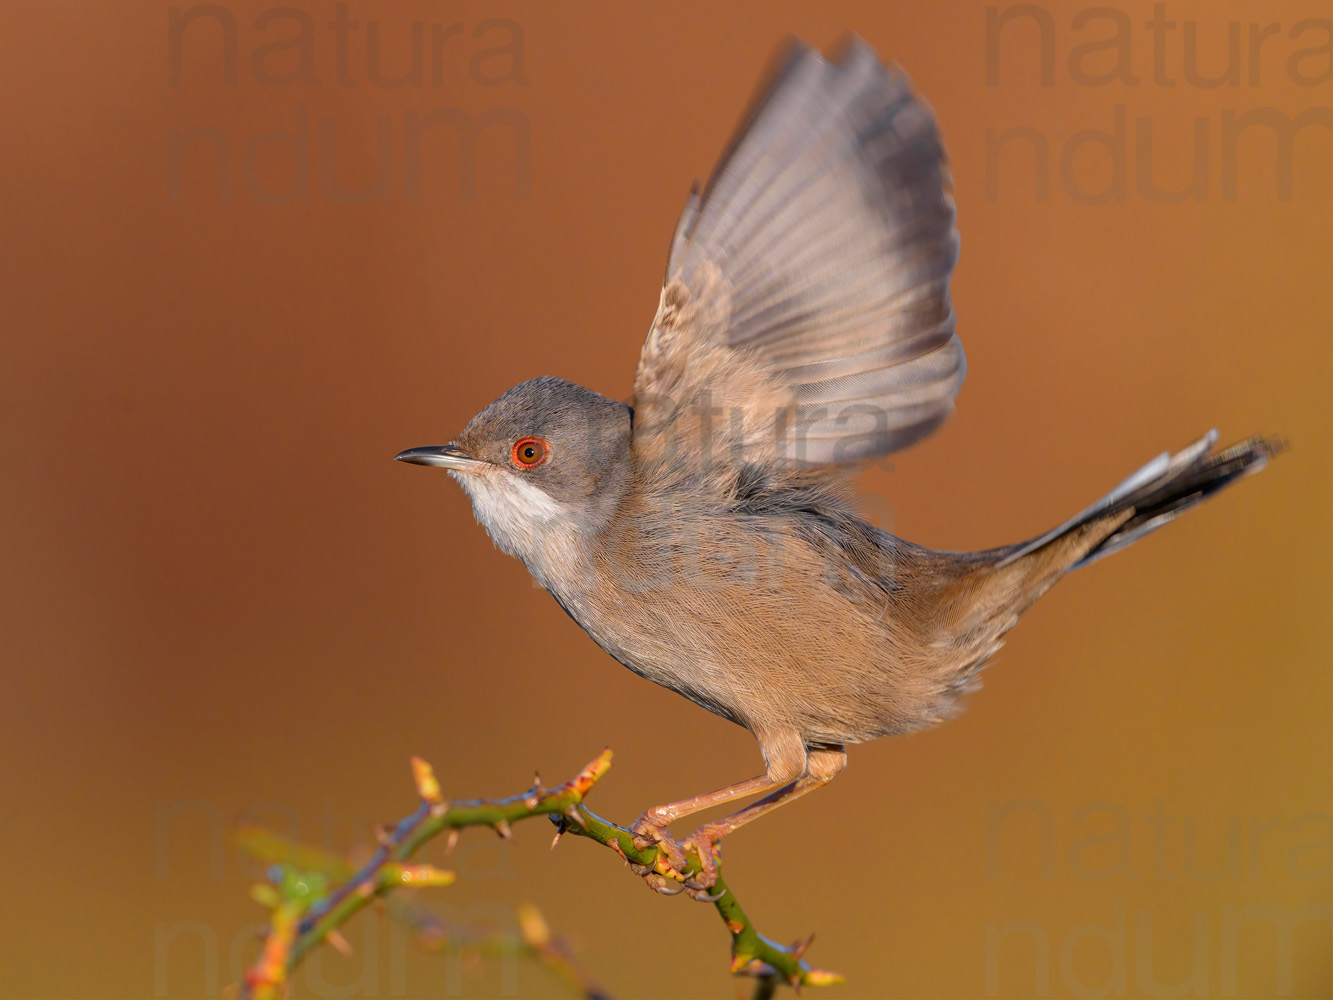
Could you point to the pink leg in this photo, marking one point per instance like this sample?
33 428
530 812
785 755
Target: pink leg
672 811
784 753
651 827
823 765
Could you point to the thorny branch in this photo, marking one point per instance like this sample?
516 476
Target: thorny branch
305 912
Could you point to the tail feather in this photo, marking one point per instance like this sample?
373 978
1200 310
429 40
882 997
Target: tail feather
1159 492
995 587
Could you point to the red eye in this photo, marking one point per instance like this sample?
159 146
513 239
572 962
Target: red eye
530 452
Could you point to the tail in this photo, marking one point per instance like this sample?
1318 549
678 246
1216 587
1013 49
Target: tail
994 587
998 585
1159 492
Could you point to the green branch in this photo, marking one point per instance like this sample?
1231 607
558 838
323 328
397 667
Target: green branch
305 914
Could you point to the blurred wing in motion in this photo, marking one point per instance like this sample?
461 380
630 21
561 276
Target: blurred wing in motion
805 312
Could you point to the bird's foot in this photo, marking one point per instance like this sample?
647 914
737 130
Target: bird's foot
666 875
703 842
650 831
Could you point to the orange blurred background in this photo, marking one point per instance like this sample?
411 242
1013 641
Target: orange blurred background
222 601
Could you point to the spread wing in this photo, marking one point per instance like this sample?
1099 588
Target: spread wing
805 312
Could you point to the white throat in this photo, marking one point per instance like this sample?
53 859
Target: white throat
524 521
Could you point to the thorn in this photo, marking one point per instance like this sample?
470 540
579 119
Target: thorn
735 926
573 813
451 841
383 835
534 796
555 841
739 961
365 889
339 942
615 846
798 949
502 828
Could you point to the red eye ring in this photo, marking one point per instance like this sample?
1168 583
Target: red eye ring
530 452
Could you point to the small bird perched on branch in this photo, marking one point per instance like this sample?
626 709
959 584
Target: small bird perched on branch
706 537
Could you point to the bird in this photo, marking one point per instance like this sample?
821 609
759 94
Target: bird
706 536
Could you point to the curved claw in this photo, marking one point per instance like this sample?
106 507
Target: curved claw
664 885
700 894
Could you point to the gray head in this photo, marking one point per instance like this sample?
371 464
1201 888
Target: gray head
544 465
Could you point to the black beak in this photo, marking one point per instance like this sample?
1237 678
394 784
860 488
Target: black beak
446 457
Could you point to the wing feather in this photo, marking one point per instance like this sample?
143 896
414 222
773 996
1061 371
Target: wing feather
805 313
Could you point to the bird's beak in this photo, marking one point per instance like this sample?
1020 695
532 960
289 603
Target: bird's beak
446 457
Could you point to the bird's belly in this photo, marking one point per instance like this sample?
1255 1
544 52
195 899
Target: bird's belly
647 643
762 626
765 663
